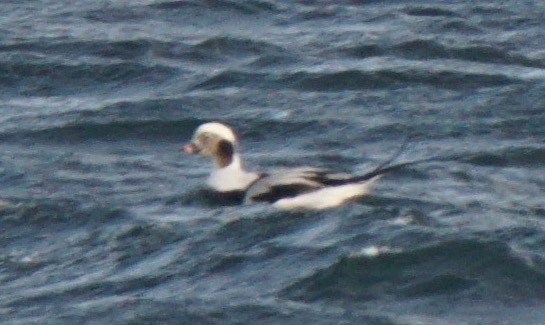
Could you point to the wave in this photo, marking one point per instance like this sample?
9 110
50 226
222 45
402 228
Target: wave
228 46
214 48
250 7
245 231
160 119
111 126
115 14
464 267
355 80
130 49
430 12
9 175
109 131
49 78
460 26
213 311
423 49
34 214
35 232
93 246
429 49
510 157
230 79
125 49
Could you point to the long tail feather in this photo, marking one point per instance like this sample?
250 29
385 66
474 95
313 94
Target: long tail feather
385 166
387 169
395 155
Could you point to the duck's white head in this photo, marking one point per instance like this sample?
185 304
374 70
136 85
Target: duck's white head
214 140
219 142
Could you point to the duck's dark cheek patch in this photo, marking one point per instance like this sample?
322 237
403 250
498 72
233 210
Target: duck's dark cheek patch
225 153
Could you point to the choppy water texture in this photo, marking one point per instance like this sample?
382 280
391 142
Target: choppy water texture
102 219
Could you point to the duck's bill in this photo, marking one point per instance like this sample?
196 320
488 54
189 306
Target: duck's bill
190 148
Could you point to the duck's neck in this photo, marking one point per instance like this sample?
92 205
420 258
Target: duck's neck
234 161
231 177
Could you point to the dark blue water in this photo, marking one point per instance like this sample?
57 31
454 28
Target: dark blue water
103 220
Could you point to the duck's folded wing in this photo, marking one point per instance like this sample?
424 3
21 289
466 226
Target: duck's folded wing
286 183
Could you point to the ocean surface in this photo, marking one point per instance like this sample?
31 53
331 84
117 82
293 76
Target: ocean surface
104 221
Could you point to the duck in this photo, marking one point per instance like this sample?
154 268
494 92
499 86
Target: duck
303 187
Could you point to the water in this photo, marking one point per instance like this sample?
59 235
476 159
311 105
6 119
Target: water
104 221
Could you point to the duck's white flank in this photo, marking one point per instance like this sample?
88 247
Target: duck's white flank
327 197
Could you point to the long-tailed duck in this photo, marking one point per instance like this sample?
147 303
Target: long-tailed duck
304 187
